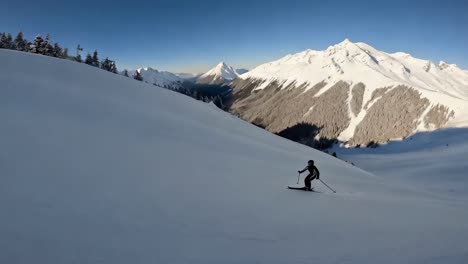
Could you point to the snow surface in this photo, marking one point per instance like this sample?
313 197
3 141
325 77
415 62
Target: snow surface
99 168
359 62
222 71
432 161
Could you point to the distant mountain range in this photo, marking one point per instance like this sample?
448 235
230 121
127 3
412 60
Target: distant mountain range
354 93
220 74
351 91
186 76
159 78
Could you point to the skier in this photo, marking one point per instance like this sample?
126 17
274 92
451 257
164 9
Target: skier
313 174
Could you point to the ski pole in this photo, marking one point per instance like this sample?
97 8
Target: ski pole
327 186
298 176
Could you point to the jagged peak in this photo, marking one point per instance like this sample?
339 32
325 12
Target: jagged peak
221 71
345 41
444 65
347 47
343 44
150 69
146 69
222 65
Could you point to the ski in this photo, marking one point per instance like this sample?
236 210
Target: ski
300 188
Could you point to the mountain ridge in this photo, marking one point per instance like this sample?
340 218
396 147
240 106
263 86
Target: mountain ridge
344 55
156 77
359 76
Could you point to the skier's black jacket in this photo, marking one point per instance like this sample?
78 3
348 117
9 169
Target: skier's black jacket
313 171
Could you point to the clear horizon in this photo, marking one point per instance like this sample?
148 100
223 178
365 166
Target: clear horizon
194 36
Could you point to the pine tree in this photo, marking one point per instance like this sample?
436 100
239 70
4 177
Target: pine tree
2 40
107 65
57 51
95 59
218 101
9 39
20 43
78 58
65 53
104 64
38 45
48 48
125 73
113 67
5 41
89 59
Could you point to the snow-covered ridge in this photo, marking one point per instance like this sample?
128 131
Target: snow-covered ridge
430 96
159 78
359 62
219 74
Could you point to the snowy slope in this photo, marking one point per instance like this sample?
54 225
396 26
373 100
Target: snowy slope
433 161
99 168
443 85
160 78
221 73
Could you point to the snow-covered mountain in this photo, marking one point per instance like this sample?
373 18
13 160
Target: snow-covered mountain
187 76
355 92
220 74
163 79
99 168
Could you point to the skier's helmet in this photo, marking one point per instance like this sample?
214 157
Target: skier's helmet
310 162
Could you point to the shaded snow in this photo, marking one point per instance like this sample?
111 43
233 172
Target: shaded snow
241 71
432 161
99 168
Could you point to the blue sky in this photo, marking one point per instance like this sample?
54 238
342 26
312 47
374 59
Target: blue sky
192 36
